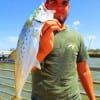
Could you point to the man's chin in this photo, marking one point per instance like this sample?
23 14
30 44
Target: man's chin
61 21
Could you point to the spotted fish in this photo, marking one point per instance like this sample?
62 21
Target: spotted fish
27 47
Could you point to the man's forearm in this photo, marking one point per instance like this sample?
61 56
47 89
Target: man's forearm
87 81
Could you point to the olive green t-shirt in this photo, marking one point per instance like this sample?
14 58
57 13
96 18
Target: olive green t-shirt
57 80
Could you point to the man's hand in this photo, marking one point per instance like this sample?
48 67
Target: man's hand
50 26
47 38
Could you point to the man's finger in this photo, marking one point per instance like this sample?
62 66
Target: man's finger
50 23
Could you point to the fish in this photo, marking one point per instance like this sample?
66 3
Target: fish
27 47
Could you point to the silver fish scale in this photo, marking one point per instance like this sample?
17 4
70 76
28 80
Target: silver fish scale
23 46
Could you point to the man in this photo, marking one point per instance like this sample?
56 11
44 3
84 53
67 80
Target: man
62 54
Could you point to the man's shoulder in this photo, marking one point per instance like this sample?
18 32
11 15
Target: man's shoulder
73 31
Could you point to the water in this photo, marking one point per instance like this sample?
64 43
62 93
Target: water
93 62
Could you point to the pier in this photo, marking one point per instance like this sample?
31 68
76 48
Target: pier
7 83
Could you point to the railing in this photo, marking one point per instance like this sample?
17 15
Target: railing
7 84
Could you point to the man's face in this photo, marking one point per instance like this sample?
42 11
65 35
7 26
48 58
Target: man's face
61 7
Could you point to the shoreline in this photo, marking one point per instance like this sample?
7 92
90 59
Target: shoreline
94 55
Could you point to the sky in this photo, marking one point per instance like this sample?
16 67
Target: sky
84 18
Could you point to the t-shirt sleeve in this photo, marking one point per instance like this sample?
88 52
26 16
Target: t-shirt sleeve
82 54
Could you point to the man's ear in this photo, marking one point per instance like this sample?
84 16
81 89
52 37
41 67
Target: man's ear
46 5
69 7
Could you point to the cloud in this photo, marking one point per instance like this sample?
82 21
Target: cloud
76 23
91 37
13 38
8 42
89 40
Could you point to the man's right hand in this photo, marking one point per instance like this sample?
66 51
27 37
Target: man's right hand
47 39
50 26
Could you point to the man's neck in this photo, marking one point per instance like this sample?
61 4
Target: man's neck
63 26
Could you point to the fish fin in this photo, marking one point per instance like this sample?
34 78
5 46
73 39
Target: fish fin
12 54
37 64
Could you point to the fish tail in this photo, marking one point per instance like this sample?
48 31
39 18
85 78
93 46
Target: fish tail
16 98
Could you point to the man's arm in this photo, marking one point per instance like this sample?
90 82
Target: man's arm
46 40
86 79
